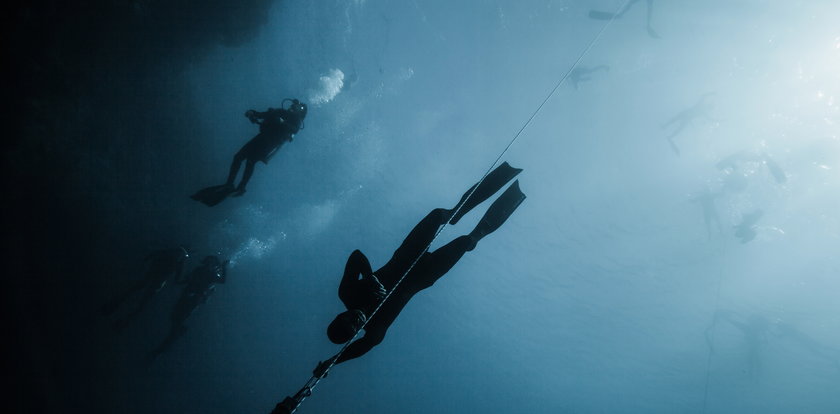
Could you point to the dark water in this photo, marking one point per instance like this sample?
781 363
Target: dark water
604 292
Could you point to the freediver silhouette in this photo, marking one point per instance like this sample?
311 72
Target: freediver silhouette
582 74
602 15
686 117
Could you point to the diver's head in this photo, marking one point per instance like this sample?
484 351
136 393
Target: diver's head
345 326
298 108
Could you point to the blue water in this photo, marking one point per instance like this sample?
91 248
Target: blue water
603 293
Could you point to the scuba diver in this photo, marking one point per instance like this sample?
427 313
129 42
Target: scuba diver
745 230
732 163
758 330
601 15
361 296
687 116
277 126
163 265
200 284
581 73
754 329
706 199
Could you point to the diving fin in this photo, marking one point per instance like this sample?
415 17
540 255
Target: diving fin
211 196
601 15
499 211
480 192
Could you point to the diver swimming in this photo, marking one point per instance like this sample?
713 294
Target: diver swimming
581 74
602 15
734 162
410 270
162 266
277 126
361 295
686 117
200 284
758 330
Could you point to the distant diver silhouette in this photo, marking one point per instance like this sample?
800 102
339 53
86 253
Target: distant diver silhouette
734 161
581 74
687 117
199 286
758 330
162 266
755 330
602 15
277 126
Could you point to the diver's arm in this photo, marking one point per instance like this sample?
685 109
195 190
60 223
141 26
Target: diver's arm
355 350
357 264
360 346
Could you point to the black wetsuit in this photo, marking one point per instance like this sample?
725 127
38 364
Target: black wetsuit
277 126
163 265
355 292
200 286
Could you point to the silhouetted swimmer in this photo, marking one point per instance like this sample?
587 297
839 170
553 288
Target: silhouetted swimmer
685 118
706 199
733 163
361 295
754 329
277 126
162 266
758 330
582 73
602 15
745 230
199 286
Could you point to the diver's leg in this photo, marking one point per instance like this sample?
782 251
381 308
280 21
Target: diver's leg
144 300
246 176
498 212
436 264
491 184
112 305
234 167
421 236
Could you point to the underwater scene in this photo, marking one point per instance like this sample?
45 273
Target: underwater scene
373 206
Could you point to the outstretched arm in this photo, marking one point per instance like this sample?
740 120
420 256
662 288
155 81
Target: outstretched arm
360 347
